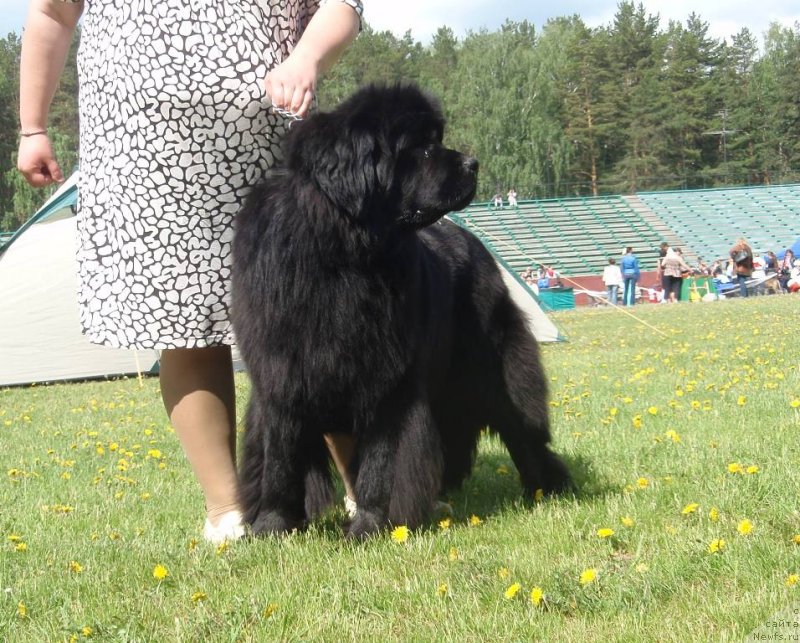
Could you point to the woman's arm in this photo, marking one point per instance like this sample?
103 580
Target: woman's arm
45 43
291 84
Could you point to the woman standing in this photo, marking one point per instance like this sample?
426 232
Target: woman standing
674 267
630 275
175 127
742 257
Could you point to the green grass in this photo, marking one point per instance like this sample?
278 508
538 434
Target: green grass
93 474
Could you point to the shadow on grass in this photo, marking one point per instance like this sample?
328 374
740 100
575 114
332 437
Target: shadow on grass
494 486
492 489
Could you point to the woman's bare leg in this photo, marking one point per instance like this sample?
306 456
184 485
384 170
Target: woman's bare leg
198 392
340 446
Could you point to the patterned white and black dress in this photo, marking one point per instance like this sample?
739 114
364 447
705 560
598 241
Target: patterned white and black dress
175 129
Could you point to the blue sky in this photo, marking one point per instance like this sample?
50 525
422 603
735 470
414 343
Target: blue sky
423 17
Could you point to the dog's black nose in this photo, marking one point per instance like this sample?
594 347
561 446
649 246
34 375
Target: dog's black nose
471 164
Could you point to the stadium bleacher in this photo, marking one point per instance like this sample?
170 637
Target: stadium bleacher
767 216
576 236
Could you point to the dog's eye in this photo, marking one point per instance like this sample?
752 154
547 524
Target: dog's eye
426 153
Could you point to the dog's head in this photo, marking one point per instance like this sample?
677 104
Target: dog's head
379 158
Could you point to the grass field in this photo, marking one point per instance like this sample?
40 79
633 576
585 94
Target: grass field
686 524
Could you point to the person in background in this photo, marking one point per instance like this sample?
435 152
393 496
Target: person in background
742 257
512 198
612 278
498 201
175 129
785 269
630 276
674 268
662 252
701 268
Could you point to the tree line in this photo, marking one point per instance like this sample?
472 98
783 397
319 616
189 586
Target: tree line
567 110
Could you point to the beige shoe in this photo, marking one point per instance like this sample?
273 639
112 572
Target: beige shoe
229 527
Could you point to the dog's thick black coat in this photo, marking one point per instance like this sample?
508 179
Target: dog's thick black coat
358 311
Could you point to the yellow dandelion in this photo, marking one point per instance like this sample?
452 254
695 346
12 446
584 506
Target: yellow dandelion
400 534
160 572
87 631
444 524
637 421
673 435
75 567
642 483
442 589
713 514
792 580
642 568
192 545
627 521
741 400
22 611
588 576
453 554
21 547
795 403
503 572
716 546
222 547
154 453
744 527
270 609
690 508
613 411
474 521
735 467
512 590
199 596
796 539
696 404
753 468
653 410
537 596
605 532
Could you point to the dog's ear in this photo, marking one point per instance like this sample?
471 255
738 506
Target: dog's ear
342 159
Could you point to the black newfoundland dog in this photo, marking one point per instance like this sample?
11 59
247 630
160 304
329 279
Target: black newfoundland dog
357 309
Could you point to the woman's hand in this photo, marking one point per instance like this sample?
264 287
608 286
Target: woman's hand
290 86
37 162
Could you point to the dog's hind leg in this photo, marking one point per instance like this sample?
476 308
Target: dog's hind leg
399 469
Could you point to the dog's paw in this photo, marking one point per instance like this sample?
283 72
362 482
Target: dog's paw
363 525
271 522
555 475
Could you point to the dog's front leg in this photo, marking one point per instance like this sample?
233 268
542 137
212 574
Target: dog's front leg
400 468
272 482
